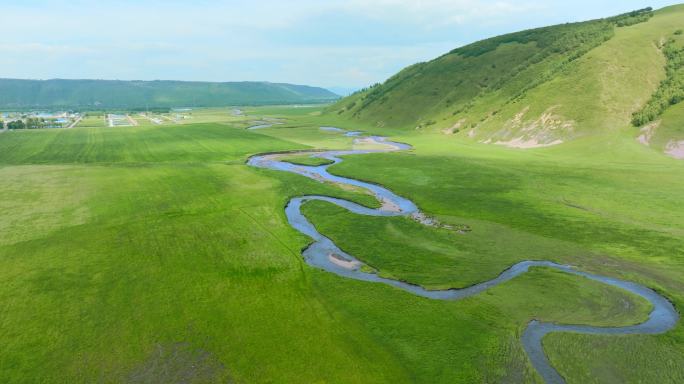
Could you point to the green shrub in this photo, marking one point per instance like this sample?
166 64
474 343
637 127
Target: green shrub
634 17
18 124
670 91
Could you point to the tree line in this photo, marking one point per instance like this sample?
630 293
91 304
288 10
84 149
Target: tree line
31 123
670 91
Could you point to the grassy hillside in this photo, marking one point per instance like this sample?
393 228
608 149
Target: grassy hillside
531 88
99 94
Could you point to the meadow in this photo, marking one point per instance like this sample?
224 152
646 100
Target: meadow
154 252
307 160
615 211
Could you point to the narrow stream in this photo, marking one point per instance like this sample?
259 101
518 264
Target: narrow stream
325 254
261 124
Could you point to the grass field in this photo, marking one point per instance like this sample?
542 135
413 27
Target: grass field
101 249
307 160
92 121
154 253
616 212
150 252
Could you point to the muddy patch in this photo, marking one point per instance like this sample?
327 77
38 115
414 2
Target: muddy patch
454 128
675 149
546 130
429 221
647 132
179 363
389 205
344 262
526 143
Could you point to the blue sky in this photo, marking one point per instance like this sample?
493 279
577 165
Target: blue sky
348 43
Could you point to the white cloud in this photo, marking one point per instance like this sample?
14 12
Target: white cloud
177 19
320 42
440 12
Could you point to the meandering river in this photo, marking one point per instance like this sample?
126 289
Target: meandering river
325 254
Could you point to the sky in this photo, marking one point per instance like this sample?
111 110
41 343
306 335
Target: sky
330 43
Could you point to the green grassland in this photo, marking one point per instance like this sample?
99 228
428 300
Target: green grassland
670 127
155 252
307 160
101 252
92 121
612 212
285 111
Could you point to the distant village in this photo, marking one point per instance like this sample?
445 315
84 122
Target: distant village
38 120
71 119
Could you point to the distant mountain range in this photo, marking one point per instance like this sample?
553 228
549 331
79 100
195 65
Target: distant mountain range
112 94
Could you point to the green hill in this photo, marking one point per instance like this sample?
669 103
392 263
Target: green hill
60 93
543 86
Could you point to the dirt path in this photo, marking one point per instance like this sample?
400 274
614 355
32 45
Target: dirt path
132 121
75 123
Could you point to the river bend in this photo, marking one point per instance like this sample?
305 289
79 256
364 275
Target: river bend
323 253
